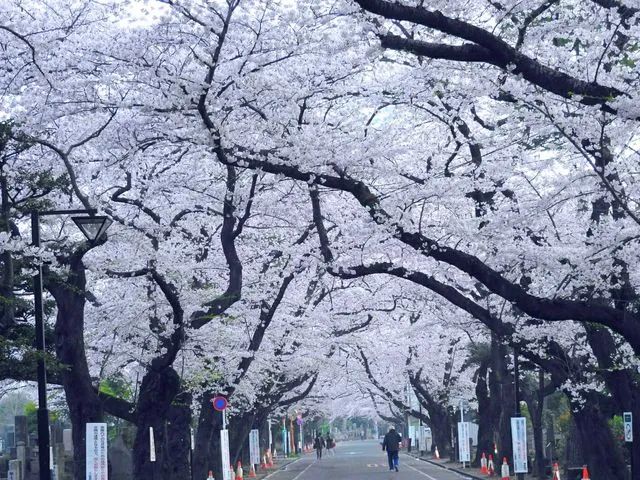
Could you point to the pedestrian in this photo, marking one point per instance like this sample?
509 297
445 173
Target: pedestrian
318 444
330 444
391 444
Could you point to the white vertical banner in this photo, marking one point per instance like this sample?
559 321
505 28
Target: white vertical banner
152 446
519 442
226 458
254 446
96 451
193 439
463 442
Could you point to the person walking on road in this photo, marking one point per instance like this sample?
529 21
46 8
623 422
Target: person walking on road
330 444
391 444
318 444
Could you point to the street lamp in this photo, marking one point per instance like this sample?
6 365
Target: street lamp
93 227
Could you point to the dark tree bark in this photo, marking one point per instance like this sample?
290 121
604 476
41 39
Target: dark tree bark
502 398
82 398
623 383
165 408
597 442
535 402
486 417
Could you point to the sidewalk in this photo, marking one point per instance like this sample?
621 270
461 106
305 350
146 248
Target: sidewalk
457 467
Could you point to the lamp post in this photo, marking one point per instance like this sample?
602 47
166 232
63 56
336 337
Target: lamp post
93 227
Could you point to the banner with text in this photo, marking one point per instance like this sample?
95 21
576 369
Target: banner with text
96 449
519 442
254 446
463 442
226 459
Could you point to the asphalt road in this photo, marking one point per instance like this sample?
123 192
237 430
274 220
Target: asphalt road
360 461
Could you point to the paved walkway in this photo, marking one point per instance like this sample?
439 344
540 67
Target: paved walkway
360 461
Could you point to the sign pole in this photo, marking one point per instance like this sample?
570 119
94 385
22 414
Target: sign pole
627 417
516 387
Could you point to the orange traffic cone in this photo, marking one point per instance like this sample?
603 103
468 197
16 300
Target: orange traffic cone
252 472
239 472
210 476
585 473
491 469
556 471
504 475
483 464
437 454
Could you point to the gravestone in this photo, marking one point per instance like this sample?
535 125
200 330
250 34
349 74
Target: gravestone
22 431
16 470
67 440
120 460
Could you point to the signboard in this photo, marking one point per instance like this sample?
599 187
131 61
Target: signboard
285 444
96 450
519 442
254 446
628 426
463 442
219 403
152 446
224 450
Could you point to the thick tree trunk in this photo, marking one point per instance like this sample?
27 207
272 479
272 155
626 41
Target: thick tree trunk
206 455
599 449
486 421
536 407
162 406
82 400
239 438
624 384
502 399
441 430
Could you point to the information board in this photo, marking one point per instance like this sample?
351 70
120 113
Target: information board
519 442
96 450
463 442
254 446
628 426
224 450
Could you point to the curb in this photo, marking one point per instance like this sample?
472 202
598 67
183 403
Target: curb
460 472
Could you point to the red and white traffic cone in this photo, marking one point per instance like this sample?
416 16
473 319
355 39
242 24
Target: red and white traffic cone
270 458
210 476
556 471
483 464
263 465
437 454
504 475
239 472
252 472
491 469
585 473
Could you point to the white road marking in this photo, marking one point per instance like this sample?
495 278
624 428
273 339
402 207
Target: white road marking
303 471
421 473
283 469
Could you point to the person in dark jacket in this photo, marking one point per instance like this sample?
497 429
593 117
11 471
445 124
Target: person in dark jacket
318 444
391 444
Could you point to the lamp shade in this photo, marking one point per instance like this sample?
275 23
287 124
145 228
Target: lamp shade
93 227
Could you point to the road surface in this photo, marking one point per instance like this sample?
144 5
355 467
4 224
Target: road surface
360 461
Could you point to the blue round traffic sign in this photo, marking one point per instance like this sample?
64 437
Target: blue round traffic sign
219 403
